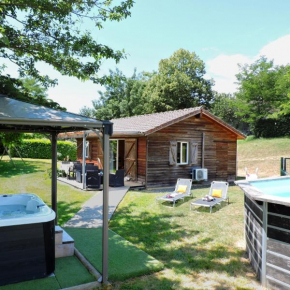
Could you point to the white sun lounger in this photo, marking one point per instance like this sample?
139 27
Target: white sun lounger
217 200
175 196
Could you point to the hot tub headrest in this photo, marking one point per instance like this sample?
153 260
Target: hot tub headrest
32 205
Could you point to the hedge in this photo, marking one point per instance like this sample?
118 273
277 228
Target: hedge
41 149
272 127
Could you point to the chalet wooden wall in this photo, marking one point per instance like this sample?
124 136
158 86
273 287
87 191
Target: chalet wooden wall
96 151
141 158
219 151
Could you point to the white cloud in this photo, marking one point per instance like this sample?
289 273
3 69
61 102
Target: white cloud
279 50
223 68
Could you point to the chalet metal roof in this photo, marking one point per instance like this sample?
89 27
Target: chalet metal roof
21 116
144 125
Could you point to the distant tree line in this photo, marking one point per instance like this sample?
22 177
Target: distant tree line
261 105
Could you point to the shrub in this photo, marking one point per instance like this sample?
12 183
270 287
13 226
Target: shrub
268 128
41 149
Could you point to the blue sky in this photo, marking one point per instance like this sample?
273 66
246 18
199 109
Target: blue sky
223 33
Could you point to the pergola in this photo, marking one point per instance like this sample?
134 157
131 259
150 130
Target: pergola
18 116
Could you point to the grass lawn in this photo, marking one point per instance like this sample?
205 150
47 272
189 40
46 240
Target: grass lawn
199 250
262 153
125 260
33 177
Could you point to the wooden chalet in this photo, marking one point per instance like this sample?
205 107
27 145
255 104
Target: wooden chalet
156 149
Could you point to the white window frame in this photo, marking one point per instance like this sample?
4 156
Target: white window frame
87 149
187 152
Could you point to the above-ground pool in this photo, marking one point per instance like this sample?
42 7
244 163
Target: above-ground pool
26 238
267 229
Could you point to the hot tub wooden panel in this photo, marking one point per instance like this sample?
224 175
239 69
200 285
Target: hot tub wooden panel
26 252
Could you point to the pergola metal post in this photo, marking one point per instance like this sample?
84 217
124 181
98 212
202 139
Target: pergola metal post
106 143
54 174
84 162
264 244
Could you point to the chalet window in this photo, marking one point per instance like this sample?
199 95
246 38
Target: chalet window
182 152
87 149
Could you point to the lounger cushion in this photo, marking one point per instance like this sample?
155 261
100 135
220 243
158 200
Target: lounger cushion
182 188
217 193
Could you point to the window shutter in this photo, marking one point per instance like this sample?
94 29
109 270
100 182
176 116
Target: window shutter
173 153
193 157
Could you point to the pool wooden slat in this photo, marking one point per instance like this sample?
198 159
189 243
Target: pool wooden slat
278 221
278 247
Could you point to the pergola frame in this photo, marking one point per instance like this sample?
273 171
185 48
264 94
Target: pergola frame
17 116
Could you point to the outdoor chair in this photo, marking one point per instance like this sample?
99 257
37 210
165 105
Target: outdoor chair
218 193
182 190
117 180
79 171
252 176
93 179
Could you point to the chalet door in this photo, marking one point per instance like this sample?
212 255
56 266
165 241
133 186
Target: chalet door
222 150
131 158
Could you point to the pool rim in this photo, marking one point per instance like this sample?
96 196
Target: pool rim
254 193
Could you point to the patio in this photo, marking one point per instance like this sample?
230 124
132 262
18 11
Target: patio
78 185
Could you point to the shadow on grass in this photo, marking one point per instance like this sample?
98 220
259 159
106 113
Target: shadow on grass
7 169
177 203
168 242
66 211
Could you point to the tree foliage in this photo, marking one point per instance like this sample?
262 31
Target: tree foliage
123 97
260 93
27 90
226 107
50 31
179 83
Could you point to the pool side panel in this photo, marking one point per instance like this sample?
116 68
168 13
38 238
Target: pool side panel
267 231
278 248
253 229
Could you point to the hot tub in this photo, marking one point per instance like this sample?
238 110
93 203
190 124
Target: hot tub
27 249
267 229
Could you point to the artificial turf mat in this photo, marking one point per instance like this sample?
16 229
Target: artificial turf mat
125 260
43 284
69 272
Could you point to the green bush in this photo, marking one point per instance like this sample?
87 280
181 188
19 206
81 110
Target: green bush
271 128
41 149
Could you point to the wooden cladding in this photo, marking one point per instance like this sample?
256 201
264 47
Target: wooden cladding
153 159
131 158
276 244
253 233
141 159
219 151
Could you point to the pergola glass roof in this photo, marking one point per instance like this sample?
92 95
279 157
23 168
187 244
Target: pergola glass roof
20 116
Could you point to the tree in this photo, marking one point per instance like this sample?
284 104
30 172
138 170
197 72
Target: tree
49 31
123 97
260 94
179 83
27 90
225 107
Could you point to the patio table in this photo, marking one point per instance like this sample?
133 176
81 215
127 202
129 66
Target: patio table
66 167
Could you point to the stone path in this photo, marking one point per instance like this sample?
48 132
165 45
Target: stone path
90 215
